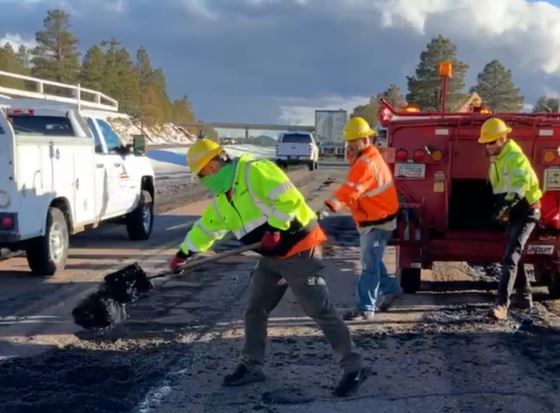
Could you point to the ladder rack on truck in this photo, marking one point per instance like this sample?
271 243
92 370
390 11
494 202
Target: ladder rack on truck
49 91
64 169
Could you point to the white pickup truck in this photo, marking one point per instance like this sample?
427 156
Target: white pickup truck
63 169
297 148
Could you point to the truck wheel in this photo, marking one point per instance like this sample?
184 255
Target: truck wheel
312 165
410 279
47 254
139 222
554 285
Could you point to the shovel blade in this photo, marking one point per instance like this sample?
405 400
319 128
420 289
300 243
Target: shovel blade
98 311
128 283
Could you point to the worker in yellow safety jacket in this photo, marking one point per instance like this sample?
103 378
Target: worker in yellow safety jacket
516 189
370 194
256 201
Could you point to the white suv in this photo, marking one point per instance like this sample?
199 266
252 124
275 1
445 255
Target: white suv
297 148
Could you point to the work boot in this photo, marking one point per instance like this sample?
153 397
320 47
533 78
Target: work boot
385 301
350 382
522 302
357 315
498 312
244 374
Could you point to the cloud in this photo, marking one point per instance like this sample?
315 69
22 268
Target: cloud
16 41
200 8
530 31
303 112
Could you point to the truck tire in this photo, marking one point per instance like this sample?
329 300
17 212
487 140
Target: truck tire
139 222
47 254
410 279
312 165
554 285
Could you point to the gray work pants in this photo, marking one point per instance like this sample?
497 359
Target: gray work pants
301 273
513 275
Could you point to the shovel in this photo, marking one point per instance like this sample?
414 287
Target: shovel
106 307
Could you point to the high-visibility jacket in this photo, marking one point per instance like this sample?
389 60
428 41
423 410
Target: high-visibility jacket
511 172
369 190
262 199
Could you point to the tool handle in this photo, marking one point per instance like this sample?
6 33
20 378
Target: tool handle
205 260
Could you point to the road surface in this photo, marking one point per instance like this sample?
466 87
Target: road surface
434 351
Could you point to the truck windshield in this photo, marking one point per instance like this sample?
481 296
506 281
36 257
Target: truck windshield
41 125
296 138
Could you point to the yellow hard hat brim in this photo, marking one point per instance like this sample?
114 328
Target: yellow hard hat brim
204 161
370 133
487 138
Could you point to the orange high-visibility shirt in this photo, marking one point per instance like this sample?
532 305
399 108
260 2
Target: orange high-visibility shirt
369 191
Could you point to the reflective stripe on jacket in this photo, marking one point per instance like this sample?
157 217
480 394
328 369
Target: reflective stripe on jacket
369 190
262 198
512 172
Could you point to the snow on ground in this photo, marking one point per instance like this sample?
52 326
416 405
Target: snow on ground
172 161
163 134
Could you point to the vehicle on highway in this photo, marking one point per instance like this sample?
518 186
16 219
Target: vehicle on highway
296 148
441 175
63 169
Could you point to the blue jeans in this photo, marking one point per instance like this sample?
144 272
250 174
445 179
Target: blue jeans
374 278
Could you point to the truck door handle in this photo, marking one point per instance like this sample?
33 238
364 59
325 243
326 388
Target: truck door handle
99 165
117 165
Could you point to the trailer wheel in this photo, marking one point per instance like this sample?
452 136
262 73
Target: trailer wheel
554 285
139 222
47 254
410 279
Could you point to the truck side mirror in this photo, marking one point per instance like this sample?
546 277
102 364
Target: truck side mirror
139 144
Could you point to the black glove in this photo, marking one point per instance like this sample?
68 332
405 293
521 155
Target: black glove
503 207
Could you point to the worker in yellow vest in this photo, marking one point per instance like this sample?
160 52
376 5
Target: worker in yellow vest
516 188
255 200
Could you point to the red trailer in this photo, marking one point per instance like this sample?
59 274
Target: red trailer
441 175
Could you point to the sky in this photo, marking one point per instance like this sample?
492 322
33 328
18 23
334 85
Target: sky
277 61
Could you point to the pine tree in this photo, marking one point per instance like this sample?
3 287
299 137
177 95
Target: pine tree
9 62
546 104
144 67
56 57
24 59
181 111
496 88
120 79
369 111
93 69
424 87
394 96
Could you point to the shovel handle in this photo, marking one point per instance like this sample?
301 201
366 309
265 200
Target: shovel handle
205 260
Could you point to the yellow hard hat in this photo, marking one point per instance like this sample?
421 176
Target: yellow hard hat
358 128
493 129
201 152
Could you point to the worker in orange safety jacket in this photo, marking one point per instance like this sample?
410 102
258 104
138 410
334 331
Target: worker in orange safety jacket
369 192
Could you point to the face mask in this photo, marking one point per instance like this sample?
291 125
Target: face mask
221 181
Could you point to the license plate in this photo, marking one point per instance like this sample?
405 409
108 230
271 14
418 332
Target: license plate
410 170
540 249
551 179
293 157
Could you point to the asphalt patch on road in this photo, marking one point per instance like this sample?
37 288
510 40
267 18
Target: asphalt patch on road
82 380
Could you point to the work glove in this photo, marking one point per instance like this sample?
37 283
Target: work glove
179 260
512 198
333 205
504 206
270 241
